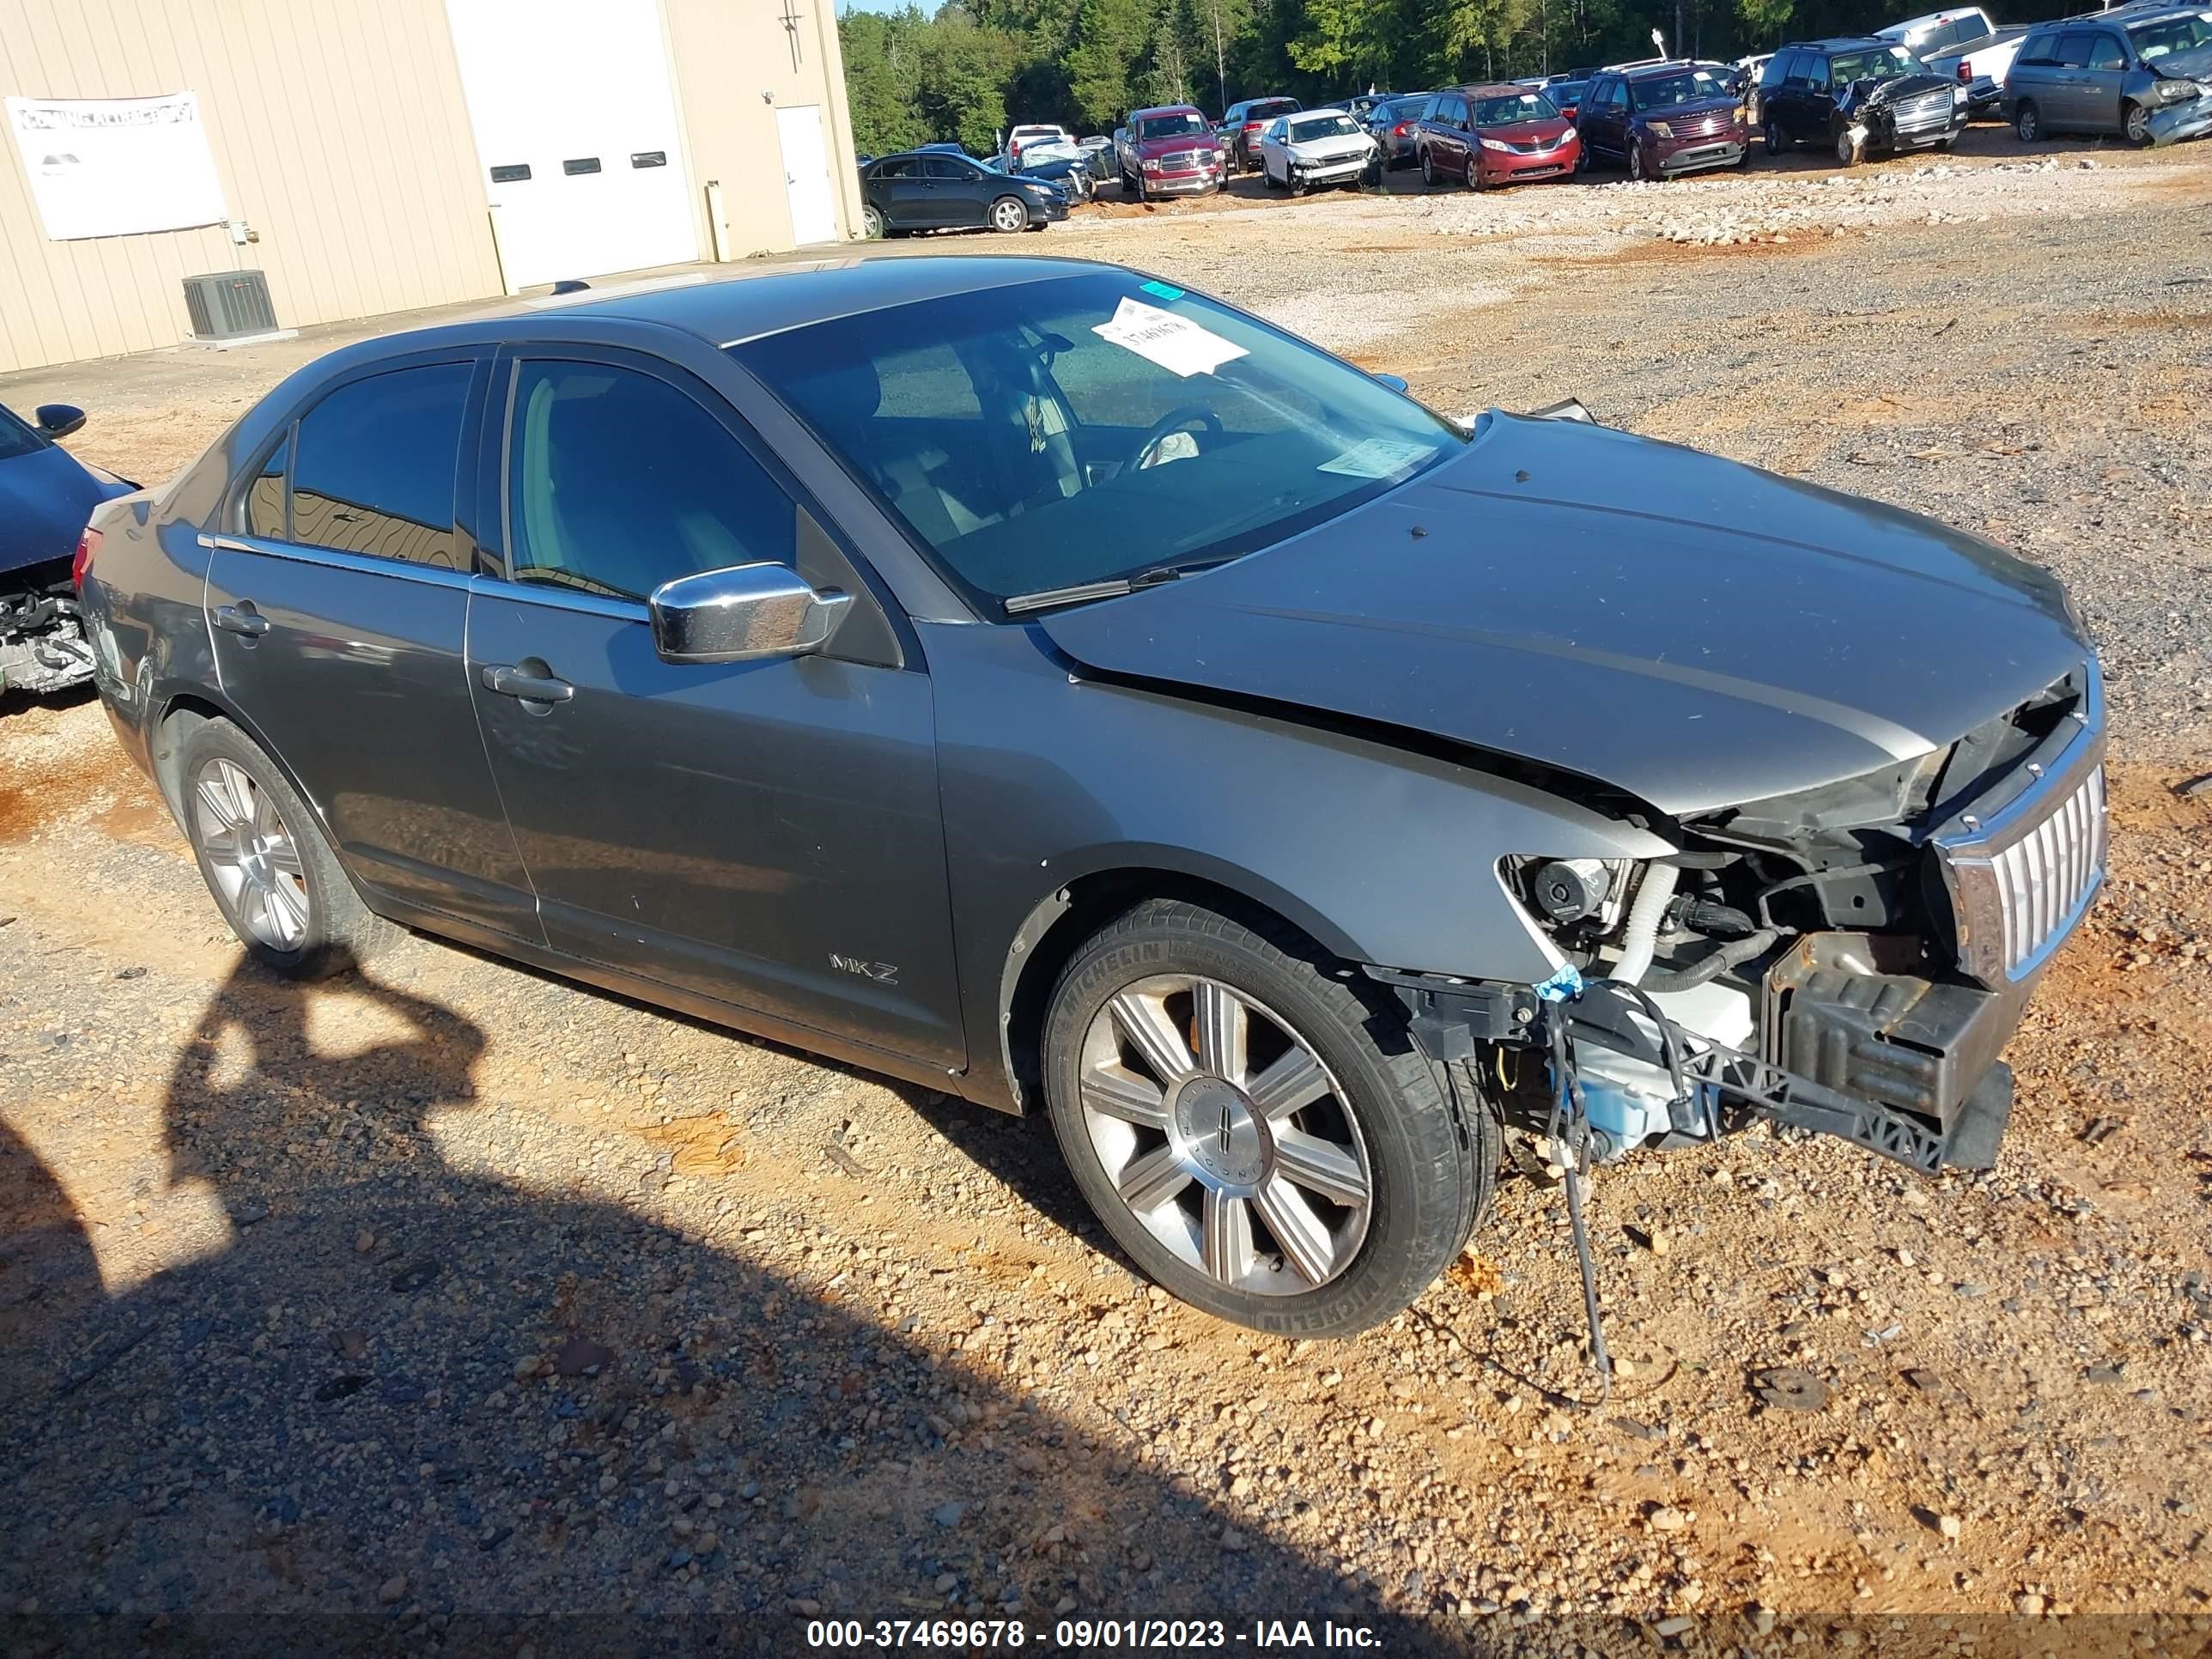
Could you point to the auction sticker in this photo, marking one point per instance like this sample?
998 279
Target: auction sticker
1176 343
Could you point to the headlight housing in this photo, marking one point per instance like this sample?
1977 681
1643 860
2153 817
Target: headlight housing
1959 95
1497 144
2176 91
1659 130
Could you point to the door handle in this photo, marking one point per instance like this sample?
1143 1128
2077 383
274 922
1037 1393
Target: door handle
530 687
241 619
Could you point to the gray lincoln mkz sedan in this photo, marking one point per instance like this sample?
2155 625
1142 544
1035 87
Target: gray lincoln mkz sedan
1055 686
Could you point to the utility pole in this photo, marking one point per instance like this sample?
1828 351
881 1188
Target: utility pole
1220 53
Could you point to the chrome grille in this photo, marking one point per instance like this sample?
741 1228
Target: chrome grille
1182 160
1925 109
2019 889
2043 877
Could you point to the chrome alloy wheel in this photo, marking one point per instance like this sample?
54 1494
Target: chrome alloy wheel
1225 1135
251 851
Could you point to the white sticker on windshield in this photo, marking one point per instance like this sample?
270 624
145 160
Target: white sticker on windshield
1176 343
1377 457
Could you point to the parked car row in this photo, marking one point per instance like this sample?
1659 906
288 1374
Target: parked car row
2142 70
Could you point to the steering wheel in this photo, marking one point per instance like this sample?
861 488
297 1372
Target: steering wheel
1173 421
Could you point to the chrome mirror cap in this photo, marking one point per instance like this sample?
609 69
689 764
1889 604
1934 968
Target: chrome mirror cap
746 611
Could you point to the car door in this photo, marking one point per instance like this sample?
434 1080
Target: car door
958 190
1612 122
338 593
2105 68
765 833
2066 98
1817 122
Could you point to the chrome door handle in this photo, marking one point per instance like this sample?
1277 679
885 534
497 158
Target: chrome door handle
249 622
530 688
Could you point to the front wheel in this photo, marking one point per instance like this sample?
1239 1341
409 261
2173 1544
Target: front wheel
1008 216
1636 168
1777 140
264 858
2028 124
1848 149
1429 169
2135 122
1259 1134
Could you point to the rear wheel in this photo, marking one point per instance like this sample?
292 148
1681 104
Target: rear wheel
2135 123
265 859
1008 216
872 218
1259 1134
2028 124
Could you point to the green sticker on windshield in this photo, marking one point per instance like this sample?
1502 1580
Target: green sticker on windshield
1163 290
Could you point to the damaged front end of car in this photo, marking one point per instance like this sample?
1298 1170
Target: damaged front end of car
1902 113
1848 960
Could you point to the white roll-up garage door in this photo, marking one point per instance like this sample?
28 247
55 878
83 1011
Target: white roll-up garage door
576 129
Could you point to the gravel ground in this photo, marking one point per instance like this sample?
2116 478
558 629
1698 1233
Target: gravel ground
448 1307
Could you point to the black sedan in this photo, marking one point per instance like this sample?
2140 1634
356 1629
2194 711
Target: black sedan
925 190
1042 683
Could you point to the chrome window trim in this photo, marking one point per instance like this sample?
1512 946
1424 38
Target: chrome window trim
368 564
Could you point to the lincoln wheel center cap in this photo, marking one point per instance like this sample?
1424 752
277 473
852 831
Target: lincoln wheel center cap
1220 1132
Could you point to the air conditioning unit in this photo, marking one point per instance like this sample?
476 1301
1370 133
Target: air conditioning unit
227 304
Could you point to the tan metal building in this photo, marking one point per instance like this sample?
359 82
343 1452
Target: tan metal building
379 155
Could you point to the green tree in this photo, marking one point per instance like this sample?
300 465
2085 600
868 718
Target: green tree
1113 40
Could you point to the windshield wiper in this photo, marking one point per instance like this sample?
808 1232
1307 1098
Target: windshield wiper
1112 588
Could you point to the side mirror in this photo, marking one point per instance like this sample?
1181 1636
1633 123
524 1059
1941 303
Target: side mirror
1396 382
745 611
58 420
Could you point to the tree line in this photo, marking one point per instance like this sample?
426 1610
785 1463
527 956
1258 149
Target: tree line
967 71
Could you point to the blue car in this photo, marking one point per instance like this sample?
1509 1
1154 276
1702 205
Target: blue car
46 495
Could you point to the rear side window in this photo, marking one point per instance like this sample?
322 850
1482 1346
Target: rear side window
617 482
373 467
901 166
264 495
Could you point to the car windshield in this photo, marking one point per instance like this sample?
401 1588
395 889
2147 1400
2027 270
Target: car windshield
1185 125
1565 92
1511 112
16 438
1305 128
1883 63
1042 434
1672 91
2171 34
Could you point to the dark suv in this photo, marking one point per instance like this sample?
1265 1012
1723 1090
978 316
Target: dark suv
1039 681
1858 97
1661 119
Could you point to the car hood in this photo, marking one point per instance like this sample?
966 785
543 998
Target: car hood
1897 86
1547 131
1681 111
45 498
1331 148
1150 148
2193 65
1695 632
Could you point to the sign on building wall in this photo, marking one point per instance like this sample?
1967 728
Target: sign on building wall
116 167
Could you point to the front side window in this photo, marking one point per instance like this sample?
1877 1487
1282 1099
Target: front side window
1084 428
2106 53
17 437
373 462
1512 111
617 482
939 167
2072 50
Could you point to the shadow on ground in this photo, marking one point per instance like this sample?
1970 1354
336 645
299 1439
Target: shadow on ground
411 1406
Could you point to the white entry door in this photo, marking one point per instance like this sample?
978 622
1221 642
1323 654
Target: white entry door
577 129
806 174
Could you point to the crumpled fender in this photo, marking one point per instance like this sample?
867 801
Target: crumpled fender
2177 122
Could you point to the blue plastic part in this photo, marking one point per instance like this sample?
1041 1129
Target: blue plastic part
1563 987
1163 290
